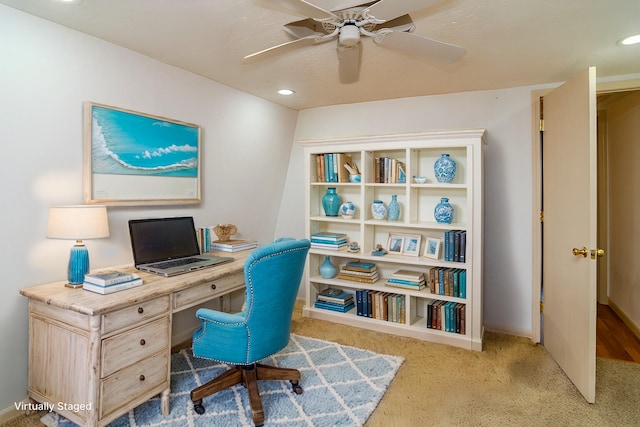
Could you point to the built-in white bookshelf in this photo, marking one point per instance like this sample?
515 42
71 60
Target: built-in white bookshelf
417 153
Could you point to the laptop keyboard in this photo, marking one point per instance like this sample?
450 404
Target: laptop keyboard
175 263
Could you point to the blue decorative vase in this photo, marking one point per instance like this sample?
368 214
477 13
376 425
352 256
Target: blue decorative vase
443 211
347 209
445 168
327 270
331 202
393 211
378 209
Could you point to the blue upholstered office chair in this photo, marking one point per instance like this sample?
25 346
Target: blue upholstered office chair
272 276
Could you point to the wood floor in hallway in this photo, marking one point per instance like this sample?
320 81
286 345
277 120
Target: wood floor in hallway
614 339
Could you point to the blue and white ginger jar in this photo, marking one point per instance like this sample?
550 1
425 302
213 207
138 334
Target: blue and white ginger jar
445 168
378 209
443 211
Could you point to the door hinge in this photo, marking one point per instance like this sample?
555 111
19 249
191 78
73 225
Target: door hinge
541 306
541 125
541 216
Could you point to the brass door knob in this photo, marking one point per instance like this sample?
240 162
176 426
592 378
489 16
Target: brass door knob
597 253
577 252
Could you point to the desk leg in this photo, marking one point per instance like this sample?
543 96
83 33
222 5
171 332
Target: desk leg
164 402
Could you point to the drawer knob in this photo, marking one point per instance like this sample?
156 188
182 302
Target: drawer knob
142 342
213 286
140 310
141 377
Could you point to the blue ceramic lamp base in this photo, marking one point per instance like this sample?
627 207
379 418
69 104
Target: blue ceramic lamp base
78 265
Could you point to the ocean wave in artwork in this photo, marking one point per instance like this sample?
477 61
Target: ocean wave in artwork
130 144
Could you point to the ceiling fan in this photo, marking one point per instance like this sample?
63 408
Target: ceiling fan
386 21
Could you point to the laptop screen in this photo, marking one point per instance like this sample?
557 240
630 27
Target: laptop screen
160 239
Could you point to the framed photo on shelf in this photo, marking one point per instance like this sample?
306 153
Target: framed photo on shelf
395 243
133 158
411 245
432 248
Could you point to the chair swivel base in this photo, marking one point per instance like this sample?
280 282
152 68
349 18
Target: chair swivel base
248 376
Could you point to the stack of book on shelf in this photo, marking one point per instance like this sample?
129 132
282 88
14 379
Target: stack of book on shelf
233 245
335 299
448 281
110 281
381 305
455 245
407 279
330 241
363 272
446 316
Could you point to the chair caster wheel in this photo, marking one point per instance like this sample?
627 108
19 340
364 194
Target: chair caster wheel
199 409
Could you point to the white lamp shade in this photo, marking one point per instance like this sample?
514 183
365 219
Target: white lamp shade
78 222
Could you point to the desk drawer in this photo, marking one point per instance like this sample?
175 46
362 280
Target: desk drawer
207 291
134 382
134 313
134 345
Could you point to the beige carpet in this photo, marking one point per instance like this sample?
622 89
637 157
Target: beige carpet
510 383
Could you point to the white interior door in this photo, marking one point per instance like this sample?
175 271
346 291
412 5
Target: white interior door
570 207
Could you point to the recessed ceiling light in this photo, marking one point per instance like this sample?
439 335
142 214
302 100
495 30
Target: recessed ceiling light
630 40
286 92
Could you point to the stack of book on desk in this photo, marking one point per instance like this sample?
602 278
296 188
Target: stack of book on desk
407 279
233 245
331 241
363 272
110 281
335 299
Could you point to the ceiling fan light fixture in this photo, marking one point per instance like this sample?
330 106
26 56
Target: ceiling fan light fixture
286 92
635 39
349 35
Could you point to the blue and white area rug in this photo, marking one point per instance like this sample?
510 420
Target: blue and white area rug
342 386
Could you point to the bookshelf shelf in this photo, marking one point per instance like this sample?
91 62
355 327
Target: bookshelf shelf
387 165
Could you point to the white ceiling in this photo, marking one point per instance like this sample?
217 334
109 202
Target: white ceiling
509 43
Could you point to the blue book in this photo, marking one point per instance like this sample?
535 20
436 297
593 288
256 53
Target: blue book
463 283
463 246
334 307
359 302
456 282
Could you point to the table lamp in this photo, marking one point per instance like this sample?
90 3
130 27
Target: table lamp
78 222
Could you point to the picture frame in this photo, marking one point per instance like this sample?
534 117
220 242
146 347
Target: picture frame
411 245
132 158
432 248
395 243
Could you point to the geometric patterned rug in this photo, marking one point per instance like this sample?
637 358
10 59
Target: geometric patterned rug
342 387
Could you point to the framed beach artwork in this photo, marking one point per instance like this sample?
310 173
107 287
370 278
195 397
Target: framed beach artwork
395 243
133 158
432 248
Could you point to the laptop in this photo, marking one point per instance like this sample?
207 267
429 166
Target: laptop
168 246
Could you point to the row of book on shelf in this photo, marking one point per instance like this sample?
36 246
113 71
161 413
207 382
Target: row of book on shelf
388 170
455 245
334 167
111 281
447 316
373 304
208 242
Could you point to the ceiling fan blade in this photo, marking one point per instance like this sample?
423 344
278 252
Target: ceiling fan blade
389 9
302 8
349 60
415 44
281 48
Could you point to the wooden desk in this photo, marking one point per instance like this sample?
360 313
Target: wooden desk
94 357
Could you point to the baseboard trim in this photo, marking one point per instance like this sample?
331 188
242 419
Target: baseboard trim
622 315
11 412
490 327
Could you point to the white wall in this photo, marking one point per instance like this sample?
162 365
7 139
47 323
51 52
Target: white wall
47 72
506 114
